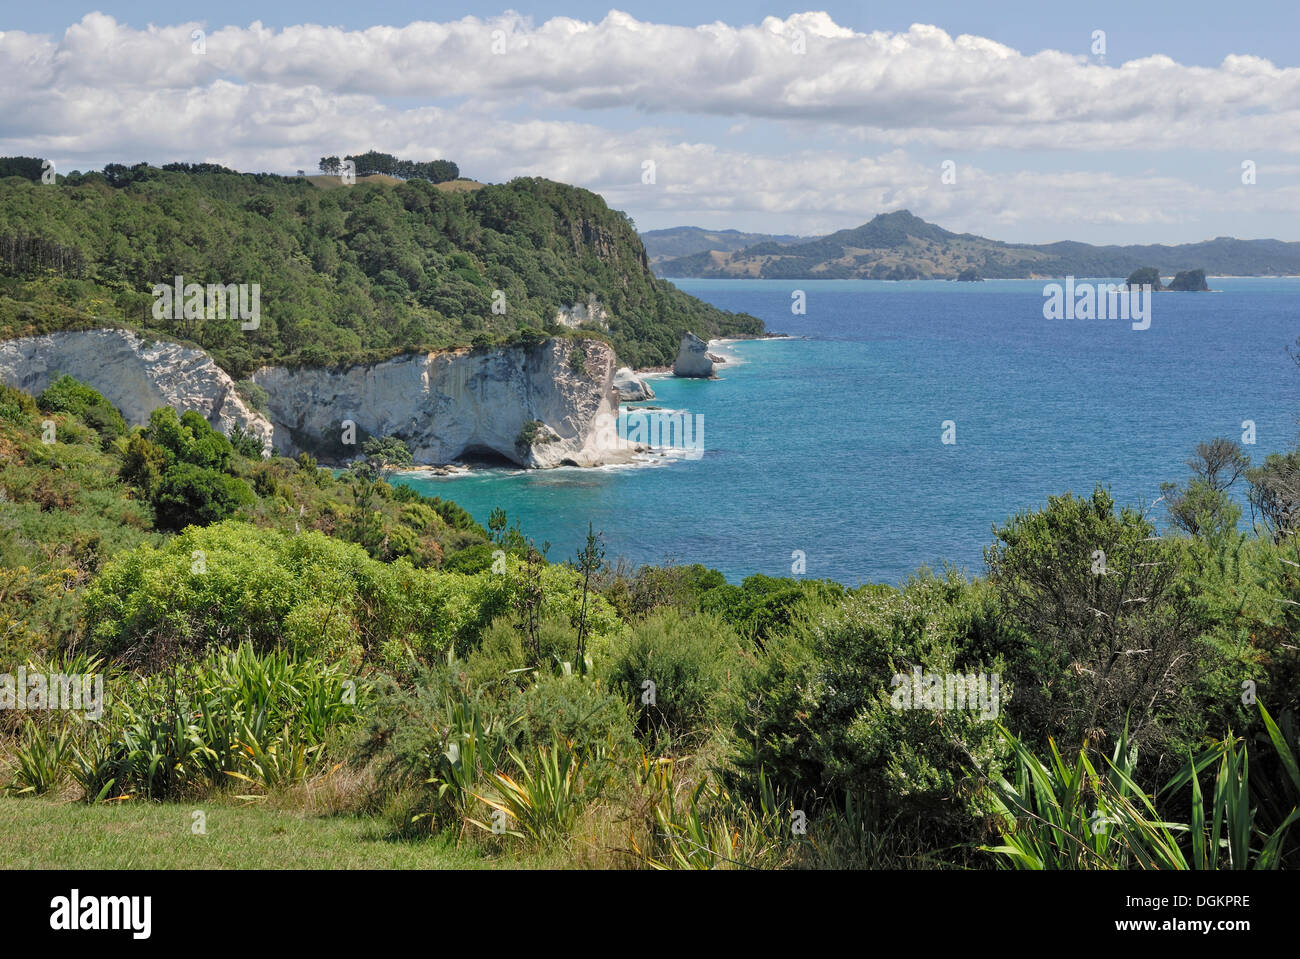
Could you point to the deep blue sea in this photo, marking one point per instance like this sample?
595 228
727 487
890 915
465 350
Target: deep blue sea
830 442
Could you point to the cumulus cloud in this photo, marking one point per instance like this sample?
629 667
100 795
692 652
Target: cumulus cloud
922 85
257 98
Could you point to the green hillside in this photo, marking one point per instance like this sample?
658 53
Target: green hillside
901 246
346 274
664 245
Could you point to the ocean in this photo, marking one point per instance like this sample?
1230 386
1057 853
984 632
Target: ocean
829 443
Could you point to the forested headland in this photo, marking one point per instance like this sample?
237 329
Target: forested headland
346 275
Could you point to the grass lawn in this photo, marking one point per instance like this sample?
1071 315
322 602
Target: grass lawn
43 834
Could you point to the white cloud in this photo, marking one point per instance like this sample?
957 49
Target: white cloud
278 99
921 86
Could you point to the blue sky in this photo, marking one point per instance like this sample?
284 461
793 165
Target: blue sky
1045 138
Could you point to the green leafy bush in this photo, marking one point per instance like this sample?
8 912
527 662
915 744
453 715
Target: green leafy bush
314 594
572 708
763 605
15 405
227 582
67 395
189 495
672 672
1109 626
829 713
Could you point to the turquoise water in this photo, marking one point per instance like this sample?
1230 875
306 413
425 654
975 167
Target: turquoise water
830 443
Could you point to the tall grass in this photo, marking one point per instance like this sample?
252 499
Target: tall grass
236 715
543 796
703 826
1071 815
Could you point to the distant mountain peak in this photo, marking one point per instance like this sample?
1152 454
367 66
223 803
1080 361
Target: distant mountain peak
899 245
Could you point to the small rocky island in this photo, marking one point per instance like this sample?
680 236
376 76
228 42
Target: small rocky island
969 275
1192 281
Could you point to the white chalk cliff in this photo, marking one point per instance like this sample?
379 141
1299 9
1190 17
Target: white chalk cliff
579 313
532 405
693 358
536 406
631 387
134 375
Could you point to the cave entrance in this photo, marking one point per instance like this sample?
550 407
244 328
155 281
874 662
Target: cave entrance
484 456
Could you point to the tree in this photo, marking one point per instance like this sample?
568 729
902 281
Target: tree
192 495
28 167
497 524
527 602
67 395
590 559
245 443
372 161
1275 493
1203 507
1109 630
1220 462
510 539
144 464
1200 508
442 171
382 456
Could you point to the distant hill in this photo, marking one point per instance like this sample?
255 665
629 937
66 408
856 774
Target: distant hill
900 246
678 241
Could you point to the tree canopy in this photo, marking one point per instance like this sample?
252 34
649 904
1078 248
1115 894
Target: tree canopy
346 275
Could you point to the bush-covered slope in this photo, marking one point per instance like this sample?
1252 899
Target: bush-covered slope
71 505
347 274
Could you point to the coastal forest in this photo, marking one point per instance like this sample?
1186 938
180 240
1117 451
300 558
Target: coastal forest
346 276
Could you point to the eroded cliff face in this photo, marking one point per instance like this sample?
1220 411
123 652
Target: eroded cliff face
693 359
537 406
135 376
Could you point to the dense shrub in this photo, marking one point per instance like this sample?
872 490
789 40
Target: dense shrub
473 559
762 605
1109 624
245 443
229 582
822 714
313 593
189 439
189 495
689 661
67 395
15 405
575 709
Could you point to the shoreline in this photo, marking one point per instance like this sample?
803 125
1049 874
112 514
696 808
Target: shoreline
636 459
662 371
639 459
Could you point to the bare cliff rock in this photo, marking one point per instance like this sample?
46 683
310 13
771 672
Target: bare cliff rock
693 358
579 313
537 406
631 387
134 375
